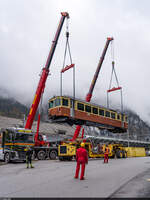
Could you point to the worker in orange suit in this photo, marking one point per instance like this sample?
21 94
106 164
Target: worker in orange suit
82 159
106 154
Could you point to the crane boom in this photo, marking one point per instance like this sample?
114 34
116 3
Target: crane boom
45 72
89 94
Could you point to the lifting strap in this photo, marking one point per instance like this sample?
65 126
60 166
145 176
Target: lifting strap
67 67
117 82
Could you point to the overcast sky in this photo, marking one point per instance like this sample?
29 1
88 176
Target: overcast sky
27 28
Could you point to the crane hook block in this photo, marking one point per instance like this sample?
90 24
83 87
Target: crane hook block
65 14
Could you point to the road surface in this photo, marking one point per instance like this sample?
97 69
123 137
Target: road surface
119 178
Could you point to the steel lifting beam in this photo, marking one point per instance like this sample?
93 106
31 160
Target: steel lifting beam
114 89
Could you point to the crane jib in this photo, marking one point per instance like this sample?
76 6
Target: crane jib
43 78
54 43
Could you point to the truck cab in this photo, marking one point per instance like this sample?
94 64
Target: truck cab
13 142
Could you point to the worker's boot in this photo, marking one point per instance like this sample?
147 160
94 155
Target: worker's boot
27 166
32 166
82 178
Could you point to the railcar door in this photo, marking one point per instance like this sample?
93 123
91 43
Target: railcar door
72 105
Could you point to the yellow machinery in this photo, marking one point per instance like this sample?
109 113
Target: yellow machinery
67 150
135 151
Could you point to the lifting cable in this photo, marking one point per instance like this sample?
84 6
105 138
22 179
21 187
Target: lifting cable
114 72
67 67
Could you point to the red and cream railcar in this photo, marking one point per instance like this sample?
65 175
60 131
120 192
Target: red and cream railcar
66 109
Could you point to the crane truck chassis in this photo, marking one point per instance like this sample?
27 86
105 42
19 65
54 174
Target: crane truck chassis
13 142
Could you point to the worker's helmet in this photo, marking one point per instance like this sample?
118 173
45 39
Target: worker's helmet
82 144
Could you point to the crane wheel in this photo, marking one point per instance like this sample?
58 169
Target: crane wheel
117 154
53 154
7 157
41 155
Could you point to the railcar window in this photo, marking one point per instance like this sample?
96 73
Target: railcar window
95 110
57 102
80 106
125 118
65 102
87 108
113 116
107 114
101 112
51 104
118 117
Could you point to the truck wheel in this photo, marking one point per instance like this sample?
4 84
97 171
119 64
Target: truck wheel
41 155
118 154
33 156
7 158
70 158
121 154
53 154
125 153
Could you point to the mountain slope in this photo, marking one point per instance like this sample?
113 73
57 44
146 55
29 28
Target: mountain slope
12 108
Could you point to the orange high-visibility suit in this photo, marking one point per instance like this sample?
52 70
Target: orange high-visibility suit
106 155
81 158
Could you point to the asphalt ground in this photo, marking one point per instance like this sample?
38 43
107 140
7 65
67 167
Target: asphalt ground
139 187
120 178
